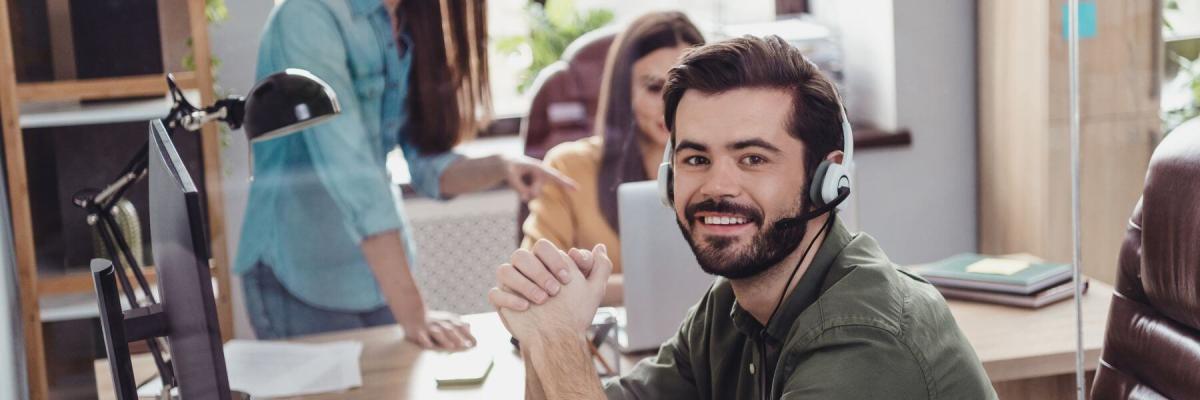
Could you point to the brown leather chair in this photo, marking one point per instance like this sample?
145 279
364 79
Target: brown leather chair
1152 346
565 95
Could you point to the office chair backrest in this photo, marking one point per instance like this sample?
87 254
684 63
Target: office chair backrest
565 95
1152 346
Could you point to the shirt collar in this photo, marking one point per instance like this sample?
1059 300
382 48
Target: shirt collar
361 7
807 290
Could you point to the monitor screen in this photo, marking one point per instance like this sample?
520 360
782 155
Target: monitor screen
177 235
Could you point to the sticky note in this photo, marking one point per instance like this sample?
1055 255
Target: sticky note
997 266
1087 19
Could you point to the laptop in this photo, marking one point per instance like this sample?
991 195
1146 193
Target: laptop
662 278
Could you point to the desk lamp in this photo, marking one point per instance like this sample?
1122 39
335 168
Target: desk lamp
281 104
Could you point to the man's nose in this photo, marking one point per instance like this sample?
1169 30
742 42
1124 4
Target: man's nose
721 181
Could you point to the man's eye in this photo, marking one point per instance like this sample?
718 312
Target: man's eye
695 160
654 88
753 160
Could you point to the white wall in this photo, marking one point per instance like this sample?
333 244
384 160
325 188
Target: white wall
918 201
235 42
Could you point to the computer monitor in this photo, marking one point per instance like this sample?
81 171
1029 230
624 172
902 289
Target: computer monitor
177 236
187 315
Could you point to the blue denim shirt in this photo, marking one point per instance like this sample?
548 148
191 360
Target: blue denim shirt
318 193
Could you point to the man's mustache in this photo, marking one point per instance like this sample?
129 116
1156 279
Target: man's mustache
750 213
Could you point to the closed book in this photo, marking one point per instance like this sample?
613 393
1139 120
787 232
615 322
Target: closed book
954 272
1045 297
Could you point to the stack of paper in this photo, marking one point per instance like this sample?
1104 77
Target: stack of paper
280 369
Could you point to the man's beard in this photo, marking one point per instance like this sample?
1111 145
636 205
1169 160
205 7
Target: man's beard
768 246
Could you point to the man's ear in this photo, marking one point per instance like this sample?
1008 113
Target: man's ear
835 156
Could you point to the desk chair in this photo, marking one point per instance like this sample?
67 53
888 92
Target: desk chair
1152 345
565 95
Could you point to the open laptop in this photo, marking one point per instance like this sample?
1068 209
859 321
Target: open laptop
662 278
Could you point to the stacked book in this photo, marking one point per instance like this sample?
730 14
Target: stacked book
1007 281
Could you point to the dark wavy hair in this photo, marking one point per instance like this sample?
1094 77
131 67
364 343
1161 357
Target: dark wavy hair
449 99
622 157
770 62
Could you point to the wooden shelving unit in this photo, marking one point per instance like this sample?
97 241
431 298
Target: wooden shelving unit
31 97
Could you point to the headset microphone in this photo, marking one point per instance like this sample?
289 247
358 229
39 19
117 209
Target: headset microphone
843 193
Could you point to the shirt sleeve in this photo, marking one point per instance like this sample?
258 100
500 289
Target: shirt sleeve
669 375
306 35
856 362
551 215
426 170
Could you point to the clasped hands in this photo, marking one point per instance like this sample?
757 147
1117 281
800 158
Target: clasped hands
546 291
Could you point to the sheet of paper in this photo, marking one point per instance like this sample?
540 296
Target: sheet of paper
997 266
278 369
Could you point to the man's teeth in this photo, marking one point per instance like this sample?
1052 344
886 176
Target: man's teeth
724 220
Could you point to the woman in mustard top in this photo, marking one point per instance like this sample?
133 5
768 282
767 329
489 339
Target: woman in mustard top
627 146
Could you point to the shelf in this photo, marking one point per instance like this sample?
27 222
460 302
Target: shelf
105 88
71 113
81 305
869 137
80 281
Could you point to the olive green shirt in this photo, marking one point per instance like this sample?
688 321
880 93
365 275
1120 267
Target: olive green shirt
855 327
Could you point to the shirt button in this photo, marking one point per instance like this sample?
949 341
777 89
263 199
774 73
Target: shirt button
751 368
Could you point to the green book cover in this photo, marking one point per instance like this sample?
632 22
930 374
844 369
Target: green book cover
956 268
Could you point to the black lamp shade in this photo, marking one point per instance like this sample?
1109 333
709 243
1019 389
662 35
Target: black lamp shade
286 102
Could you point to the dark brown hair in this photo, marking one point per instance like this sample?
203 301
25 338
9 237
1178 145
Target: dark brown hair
449 100
769 63
622 158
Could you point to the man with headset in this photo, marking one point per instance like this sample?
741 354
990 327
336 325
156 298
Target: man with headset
754 172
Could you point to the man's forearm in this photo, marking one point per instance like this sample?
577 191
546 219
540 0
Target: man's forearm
533 385
563 365
471 175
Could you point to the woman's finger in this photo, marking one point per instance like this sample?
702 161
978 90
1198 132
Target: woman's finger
421 337
440 338
464 330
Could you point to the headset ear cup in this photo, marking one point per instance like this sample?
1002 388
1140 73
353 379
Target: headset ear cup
816 190
664 185
836 177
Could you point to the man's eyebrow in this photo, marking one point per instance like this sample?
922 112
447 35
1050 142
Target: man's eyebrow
743 144
688 144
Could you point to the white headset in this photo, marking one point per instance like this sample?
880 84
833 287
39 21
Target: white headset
828 179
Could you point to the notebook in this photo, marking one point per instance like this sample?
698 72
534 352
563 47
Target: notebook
1045 297
956 272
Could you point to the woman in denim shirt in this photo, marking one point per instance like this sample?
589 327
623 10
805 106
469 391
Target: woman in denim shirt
325 244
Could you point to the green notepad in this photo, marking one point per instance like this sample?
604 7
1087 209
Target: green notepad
952 272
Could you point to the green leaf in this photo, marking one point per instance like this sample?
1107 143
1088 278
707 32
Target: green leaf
510 44
560 13
215 10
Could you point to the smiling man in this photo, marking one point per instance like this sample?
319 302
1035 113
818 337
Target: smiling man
803 309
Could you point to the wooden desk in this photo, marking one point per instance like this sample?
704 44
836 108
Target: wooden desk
1030 354
1026 353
